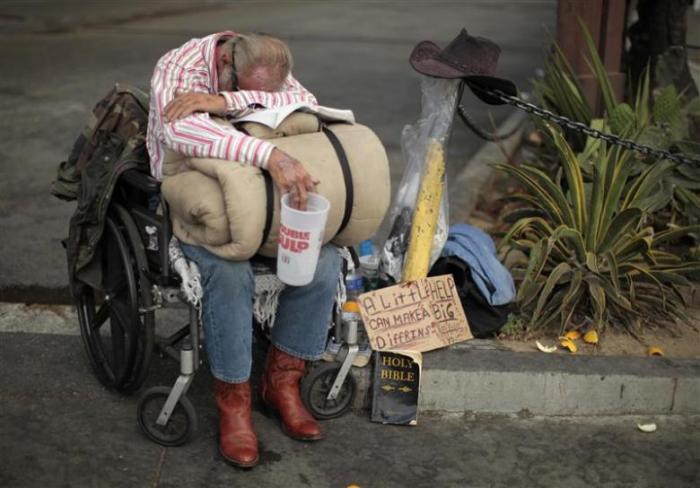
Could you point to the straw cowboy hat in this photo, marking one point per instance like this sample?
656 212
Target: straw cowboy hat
474 59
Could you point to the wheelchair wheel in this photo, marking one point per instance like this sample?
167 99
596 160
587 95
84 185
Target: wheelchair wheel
315 387
114 333
180 427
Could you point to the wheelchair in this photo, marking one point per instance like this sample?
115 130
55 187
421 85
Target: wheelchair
117 319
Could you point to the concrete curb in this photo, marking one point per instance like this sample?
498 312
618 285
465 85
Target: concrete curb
479 377
509 382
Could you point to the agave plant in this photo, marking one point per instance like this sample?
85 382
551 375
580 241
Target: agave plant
560 91
662 123
591 252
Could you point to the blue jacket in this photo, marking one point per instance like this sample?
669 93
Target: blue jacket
476 248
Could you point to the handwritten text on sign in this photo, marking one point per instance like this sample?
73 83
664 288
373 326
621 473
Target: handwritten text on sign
418 316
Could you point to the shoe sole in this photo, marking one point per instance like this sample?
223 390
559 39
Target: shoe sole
238 464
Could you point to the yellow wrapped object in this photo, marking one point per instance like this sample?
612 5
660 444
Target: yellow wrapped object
425 217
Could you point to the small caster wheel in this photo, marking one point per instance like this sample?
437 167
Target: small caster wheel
180 427
315 387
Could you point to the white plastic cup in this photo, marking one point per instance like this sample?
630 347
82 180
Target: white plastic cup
300 239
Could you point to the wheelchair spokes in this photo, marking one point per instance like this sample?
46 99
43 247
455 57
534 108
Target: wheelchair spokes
100 316
119 340
111 325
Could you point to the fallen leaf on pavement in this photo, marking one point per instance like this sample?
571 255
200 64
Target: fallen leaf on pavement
544 348
591 337
573 335
647 427
567 343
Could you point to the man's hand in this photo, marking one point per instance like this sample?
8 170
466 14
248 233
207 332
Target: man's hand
186 103
291 177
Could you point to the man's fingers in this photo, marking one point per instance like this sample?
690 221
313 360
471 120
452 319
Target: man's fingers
181 106
184 111
175 102
176 113
179 109
296 201
298 195
293 197
173 109
303 197
169 110
310 183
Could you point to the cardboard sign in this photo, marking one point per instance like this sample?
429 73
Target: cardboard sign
417 316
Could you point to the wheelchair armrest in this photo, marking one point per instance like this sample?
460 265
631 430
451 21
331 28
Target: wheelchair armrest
140 181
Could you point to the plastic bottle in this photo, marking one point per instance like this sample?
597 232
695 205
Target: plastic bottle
369 267
354 285
366 248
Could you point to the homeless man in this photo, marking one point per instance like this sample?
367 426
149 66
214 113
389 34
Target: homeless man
231 74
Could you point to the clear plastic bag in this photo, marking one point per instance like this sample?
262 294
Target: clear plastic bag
439 97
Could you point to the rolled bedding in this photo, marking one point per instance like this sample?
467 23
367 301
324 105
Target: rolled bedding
233 210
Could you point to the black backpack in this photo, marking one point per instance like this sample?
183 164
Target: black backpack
485 320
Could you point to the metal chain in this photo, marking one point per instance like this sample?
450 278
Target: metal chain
484 134
474 126
580 127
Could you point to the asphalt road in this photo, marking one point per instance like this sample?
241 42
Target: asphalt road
59 427
57 58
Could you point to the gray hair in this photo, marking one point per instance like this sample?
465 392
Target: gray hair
256 50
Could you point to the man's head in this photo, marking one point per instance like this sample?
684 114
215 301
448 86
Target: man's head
253 62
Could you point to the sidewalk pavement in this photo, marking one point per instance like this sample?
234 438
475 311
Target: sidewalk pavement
61 428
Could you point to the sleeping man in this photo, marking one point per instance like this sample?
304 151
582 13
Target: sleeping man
231 75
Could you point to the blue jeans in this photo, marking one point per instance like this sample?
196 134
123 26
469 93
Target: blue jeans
303 314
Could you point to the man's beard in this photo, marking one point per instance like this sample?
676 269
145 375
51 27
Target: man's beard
226 78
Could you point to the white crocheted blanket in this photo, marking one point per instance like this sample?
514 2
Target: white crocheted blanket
268 287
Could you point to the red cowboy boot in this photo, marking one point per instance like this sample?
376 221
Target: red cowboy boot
280 393
238 443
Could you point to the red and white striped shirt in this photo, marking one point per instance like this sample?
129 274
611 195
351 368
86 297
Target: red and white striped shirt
192 68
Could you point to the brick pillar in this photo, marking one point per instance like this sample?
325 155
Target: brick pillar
605 20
